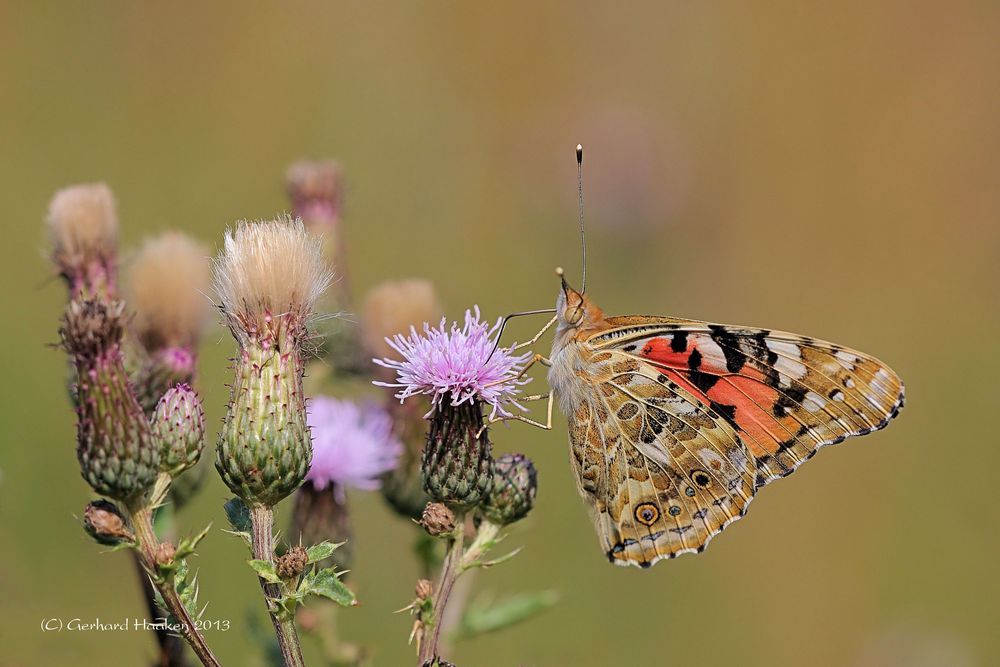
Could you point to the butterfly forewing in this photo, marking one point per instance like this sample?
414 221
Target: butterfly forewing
786 395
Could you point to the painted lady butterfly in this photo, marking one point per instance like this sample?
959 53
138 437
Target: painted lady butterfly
675 424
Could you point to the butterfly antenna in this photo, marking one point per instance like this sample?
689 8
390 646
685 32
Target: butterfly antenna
583 237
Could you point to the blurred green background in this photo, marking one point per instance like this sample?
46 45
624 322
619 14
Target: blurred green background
826 169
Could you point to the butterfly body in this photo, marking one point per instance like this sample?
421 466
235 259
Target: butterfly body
675 424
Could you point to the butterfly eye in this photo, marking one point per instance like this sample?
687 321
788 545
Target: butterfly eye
573 314
647 514
701 478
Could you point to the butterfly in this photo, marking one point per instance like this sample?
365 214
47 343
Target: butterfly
675 424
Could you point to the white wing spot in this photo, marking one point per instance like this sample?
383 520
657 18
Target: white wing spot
813 402
847 359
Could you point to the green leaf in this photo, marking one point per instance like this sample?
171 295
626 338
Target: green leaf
239 515
483 618
325 583
322 550
265 570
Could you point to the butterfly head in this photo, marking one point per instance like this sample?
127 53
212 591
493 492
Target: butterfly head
574 309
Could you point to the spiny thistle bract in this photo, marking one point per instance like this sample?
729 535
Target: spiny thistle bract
115 447
268 277
167 283
179 428
83 233
462 372
515 484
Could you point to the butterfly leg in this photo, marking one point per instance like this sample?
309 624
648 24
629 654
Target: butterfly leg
521 418
537 359
538 335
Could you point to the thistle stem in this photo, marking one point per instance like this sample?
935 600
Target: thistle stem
171 648
262 523
142 523
449 573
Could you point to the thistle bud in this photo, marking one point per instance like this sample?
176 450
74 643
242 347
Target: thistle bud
168 280
115 447
457 463
164 554
268 277
438 520
104 522
292 564
179 428
423 590
83 232
515 484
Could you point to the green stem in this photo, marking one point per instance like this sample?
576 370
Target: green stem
449 573
142 523
262 522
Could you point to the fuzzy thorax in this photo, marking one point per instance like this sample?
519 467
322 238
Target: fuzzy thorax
268 277
82 224
115 447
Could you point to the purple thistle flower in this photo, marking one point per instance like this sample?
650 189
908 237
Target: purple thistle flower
457 363
352 444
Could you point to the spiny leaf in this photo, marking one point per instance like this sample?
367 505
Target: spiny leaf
325 583
265 570
322 550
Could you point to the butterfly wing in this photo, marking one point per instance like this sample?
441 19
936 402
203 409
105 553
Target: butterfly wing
662 471
786 395
684 420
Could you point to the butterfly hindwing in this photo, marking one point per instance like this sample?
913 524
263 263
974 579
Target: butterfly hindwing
663 472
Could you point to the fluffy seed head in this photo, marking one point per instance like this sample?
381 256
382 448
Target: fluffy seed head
315 188
83 231
268 277
391 308
352 444
169 280
456 365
